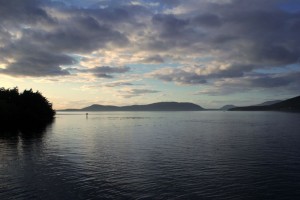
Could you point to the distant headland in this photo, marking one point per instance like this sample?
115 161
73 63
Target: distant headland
160 106
292 104
27 109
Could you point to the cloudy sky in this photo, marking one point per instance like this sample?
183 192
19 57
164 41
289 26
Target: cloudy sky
121 52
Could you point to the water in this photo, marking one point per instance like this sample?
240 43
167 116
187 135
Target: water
155 155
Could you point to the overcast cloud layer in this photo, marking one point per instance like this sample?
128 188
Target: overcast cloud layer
227 45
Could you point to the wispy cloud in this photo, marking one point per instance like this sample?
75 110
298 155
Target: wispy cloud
105 71
133 92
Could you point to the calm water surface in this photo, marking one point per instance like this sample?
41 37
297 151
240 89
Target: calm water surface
155 155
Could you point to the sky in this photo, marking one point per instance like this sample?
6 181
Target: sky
124 52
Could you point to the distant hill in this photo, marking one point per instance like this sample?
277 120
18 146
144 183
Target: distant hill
227 107
292 104
160 106
268 103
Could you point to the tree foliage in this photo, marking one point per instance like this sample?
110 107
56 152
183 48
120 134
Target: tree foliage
24 109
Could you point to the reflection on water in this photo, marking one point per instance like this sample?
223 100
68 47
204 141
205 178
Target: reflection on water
155 155
18 150
24 131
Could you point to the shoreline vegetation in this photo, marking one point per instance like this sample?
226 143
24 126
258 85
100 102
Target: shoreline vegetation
24 110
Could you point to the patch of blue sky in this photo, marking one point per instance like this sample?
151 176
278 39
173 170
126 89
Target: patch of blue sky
294 67
277 70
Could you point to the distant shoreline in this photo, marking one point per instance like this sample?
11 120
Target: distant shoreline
289 105
160 106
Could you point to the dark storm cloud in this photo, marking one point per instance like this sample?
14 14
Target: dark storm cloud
40 45
179 76
128 14
109 70
193 75
169 24
258 23
14 12
78 34
207 20
271 81
32 61
171 32
29 67
272 54
233 71
264 82
5 36
247 36
221 39
265 36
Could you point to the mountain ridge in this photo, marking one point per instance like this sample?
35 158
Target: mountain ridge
159 106
292 104
227 107
268 103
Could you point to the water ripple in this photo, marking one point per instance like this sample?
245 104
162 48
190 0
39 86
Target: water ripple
149 155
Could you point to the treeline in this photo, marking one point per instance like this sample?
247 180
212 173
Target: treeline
25 109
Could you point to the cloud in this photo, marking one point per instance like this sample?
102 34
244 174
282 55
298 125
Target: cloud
259 33
118 84
153 59
103 71
264 82
37 63
191 75
14 12
213 41
274 80
170 31
130 92
41 41
106 71
177 75
207 20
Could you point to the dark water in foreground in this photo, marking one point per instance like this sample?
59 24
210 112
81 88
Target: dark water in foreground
155 155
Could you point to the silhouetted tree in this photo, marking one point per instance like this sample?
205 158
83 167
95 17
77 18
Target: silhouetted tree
8 105
24 109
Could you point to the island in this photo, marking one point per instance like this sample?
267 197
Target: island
292 104
27 109
160 106
227 107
